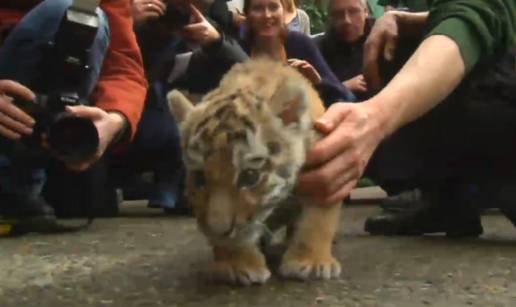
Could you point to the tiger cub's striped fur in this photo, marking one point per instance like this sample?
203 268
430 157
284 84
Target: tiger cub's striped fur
244 145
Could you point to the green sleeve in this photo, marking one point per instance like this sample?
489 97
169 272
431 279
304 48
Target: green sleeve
481 28
384 2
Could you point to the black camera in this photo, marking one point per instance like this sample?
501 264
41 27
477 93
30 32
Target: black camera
176 16
71 138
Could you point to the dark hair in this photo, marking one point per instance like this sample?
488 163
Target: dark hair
247 4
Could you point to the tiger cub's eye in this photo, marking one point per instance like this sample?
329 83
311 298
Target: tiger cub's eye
248 178
199 179
274 148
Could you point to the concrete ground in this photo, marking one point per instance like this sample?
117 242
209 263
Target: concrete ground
144 258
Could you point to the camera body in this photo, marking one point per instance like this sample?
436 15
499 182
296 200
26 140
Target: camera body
73 139
66 58
176 16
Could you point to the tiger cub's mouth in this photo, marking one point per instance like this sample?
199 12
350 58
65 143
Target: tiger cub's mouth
246 234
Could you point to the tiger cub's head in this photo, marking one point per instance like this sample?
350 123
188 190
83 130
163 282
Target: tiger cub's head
243 146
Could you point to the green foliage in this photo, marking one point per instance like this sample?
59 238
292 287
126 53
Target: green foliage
318 16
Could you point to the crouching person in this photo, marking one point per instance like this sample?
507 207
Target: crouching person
111 89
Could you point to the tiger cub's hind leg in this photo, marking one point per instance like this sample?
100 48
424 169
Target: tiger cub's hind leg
309 254
244 265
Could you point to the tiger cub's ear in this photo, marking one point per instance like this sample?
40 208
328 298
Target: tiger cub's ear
179 105
290 101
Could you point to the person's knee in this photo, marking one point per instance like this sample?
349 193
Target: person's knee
49 9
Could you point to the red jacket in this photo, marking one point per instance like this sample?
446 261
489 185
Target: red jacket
122 86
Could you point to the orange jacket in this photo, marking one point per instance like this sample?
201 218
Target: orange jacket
122 86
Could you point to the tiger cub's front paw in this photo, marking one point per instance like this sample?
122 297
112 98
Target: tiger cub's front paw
299 266
236 272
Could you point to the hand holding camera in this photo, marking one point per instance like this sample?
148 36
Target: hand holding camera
78 135
144 10
108 125
14 122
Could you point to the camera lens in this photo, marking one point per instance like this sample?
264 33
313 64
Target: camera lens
72 138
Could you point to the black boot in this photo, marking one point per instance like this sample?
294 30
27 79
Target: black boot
505 196
26 214
402 201
444 209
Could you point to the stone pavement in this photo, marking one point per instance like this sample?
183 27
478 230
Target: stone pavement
144 258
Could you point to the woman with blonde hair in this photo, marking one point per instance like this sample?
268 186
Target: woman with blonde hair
296 19
266 34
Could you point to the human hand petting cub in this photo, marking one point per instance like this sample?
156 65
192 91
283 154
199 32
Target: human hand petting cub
335 163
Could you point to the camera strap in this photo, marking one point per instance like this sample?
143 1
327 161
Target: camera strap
81 12
84 13
85 6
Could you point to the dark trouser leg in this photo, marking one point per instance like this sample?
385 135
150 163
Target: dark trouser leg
466 140
156 148
84 194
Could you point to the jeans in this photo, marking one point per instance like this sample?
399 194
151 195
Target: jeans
21 60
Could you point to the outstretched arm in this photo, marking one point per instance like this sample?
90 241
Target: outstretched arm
122 85
119 95
354 131
431 74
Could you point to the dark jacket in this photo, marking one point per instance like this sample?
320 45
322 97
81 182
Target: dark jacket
206 66
300 46
344 59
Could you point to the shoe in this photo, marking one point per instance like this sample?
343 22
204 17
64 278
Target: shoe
137 188
168 193
506 200
26 214
17 206
184 211
172 204
434 212
401 201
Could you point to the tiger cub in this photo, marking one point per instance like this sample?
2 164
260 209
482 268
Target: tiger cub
244 145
